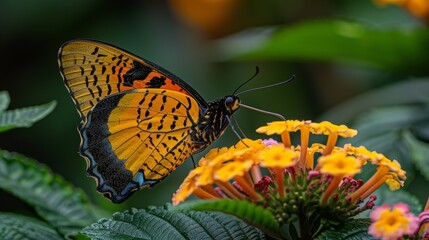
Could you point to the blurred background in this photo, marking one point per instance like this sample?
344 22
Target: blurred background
360 63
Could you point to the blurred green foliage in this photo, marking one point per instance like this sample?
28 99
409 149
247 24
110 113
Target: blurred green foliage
334 61
23 117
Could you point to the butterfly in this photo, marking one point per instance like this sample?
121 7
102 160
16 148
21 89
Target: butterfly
139 122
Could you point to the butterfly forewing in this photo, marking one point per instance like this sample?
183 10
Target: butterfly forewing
93 70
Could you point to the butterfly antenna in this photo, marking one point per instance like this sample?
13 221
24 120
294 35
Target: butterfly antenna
263 111
250 79
265 87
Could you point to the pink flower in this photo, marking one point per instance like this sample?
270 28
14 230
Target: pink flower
269 142
393 223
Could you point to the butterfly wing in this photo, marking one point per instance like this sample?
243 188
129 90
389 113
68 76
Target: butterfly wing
134 139
93 70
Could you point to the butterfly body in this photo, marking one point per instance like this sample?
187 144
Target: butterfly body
214 121
139 122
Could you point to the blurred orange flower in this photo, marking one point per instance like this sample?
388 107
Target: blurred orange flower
214 18
419 8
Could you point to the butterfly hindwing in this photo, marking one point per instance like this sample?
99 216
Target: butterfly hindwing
93 70
134 139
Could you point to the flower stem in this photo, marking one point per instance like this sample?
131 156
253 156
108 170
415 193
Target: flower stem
286 139
279 173
248 188
381 171
305 136
210 189
332 140
201 193
230 190
256 173
372 188
331 188
248 179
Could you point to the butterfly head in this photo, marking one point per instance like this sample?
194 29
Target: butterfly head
232 103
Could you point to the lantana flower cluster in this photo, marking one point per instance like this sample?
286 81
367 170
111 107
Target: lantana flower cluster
295 181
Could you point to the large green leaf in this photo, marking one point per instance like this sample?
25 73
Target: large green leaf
336 40
251 213
381 122
24 117
416 91
55 200
355 229
13 226
4 101
160 223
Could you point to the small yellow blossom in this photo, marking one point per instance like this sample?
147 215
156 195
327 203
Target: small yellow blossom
232 169
215 152
328 128
339 164
394 166
279 127
393 182
364 154
247 143
277 157
188 186
316 147
246 149
283 128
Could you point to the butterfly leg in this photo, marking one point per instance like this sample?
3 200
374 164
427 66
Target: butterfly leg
238 126
232 128
235 131
193 161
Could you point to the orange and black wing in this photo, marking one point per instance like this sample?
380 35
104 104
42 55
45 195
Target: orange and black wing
134 139
93 70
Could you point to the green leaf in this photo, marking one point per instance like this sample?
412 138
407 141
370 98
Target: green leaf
336 40
356 229
251 213
24 117
13 226
4 101
381 127
419 152
160 223
347 111
63 206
